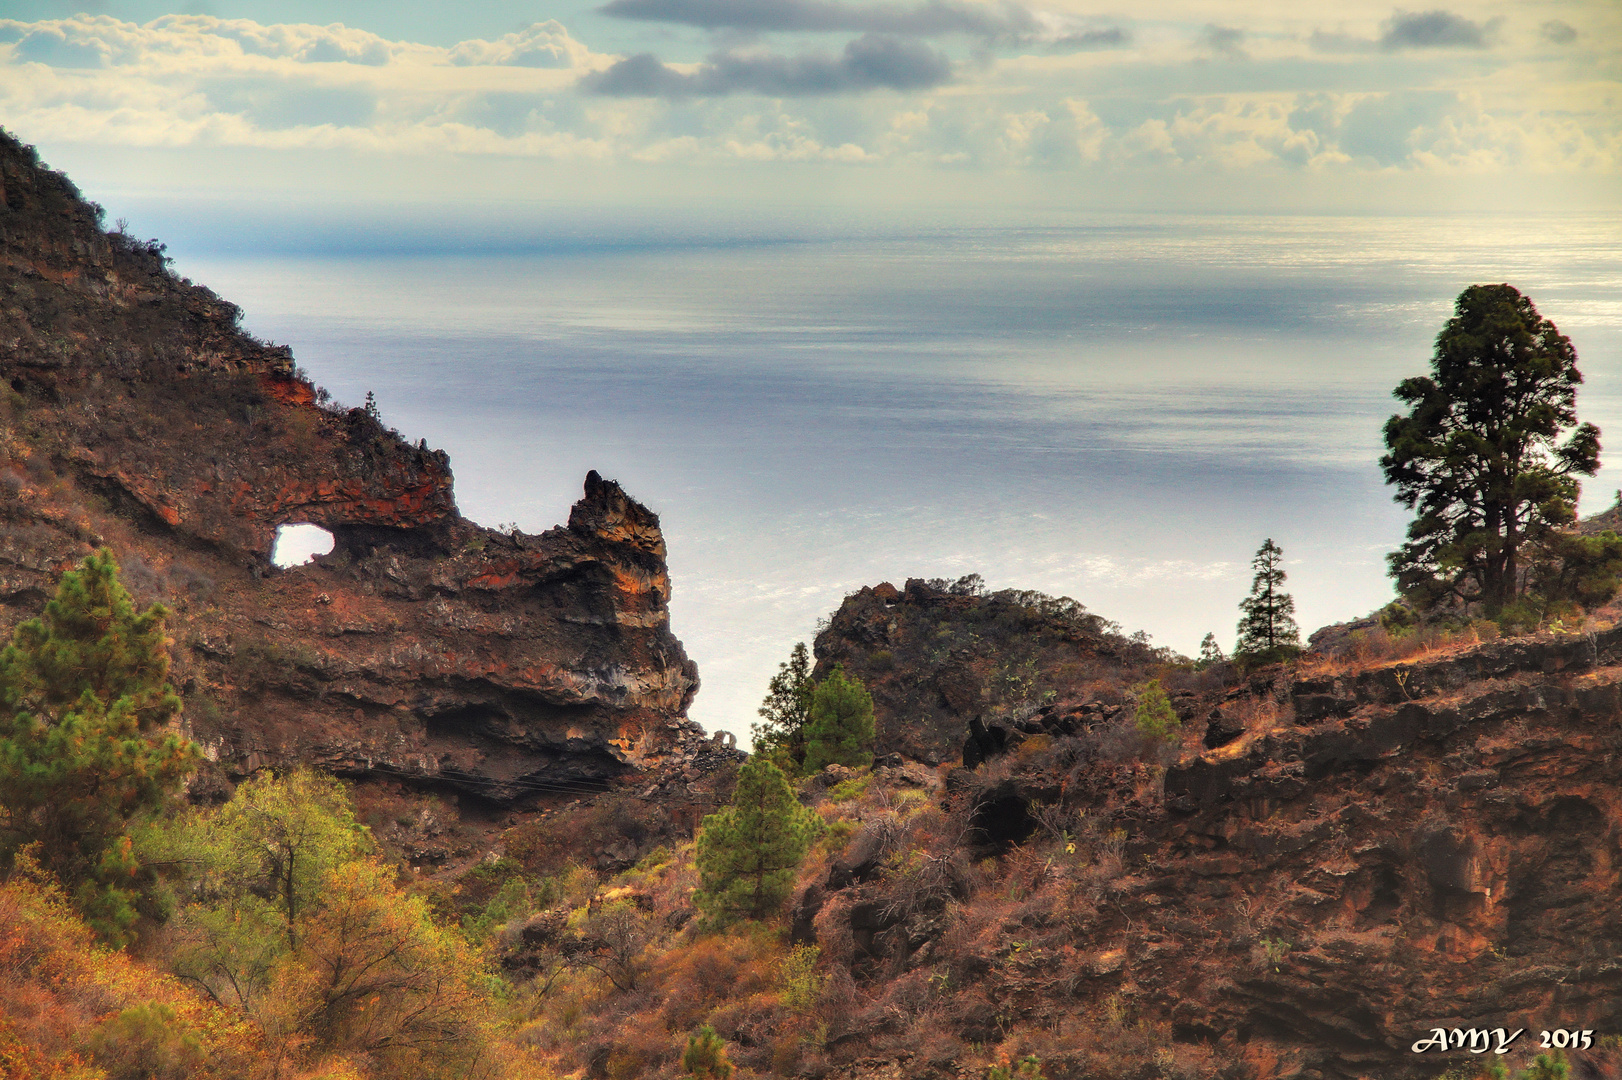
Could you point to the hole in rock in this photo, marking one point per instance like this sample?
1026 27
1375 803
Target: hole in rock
1002 819
298 544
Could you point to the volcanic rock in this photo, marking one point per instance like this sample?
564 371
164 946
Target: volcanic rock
135 413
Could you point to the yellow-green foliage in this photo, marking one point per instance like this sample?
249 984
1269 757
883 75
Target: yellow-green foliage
797 975
838 835
847 790
1027 1068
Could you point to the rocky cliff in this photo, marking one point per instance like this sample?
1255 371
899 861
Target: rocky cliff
1332 860
934 654
135 413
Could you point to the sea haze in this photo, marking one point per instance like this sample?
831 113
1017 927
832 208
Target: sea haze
1116 409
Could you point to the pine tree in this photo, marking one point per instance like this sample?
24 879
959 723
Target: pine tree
706 1056
749 851
1210 652
1267 629
83 745
785 711
1155 718
1490 454
840 730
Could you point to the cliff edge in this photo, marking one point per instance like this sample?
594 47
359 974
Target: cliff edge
136 413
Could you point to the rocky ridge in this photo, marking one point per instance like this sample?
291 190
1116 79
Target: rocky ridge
135 413
1339 858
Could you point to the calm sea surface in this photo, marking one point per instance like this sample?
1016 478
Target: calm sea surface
1119 410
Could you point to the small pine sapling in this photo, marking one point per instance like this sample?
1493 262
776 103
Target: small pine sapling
1155 718
706 1056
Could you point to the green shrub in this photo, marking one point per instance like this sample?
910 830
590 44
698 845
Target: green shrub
797 975
1026 1068
847 790
1155 718
146 1043
706 1056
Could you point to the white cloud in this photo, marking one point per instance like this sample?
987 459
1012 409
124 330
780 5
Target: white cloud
1156 101
543 45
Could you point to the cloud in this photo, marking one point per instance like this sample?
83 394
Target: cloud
1387 128
277 104
542 45
1113 37
1558 33
100 41
51 46
1337 42
186 81
930 19
871 62
1434 30
1224 41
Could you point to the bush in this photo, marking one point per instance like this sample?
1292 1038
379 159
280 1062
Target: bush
1155 718
145 1042
706 1056
801 984
1027 1068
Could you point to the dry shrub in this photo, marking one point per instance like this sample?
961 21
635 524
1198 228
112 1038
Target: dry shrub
910 997
694 979
1114 1044
61 986
640 1049
750 1024
1375 646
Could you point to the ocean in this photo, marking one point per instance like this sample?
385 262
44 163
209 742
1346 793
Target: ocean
1120 409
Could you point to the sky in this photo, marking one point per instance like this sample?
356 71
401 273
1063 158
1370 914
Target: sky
818 106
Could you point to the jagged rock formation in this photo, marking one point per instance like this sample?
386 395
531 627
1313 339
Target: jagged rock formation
933 657
137 414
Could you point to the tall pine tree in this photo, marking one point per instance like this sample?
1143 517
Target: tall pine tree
748 852
840 730
84 742
1267 629
785 711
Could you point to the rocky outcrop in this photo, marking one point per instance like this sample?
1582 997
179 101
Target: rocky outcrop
137 414
935 654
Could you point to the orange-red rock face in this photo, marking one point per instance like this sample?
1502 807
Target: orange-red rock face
138 415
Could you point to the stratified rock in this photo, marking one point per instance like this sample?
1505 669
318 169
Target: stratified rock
134 412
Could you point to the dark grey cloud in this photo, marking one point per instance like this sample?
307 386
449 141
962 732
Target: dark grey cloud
1558 33
871 62
1224 40
1113 37
1434 30
932 18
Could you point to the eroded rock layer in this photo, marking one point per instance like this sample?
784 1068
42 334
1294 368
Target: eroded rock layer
135 413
